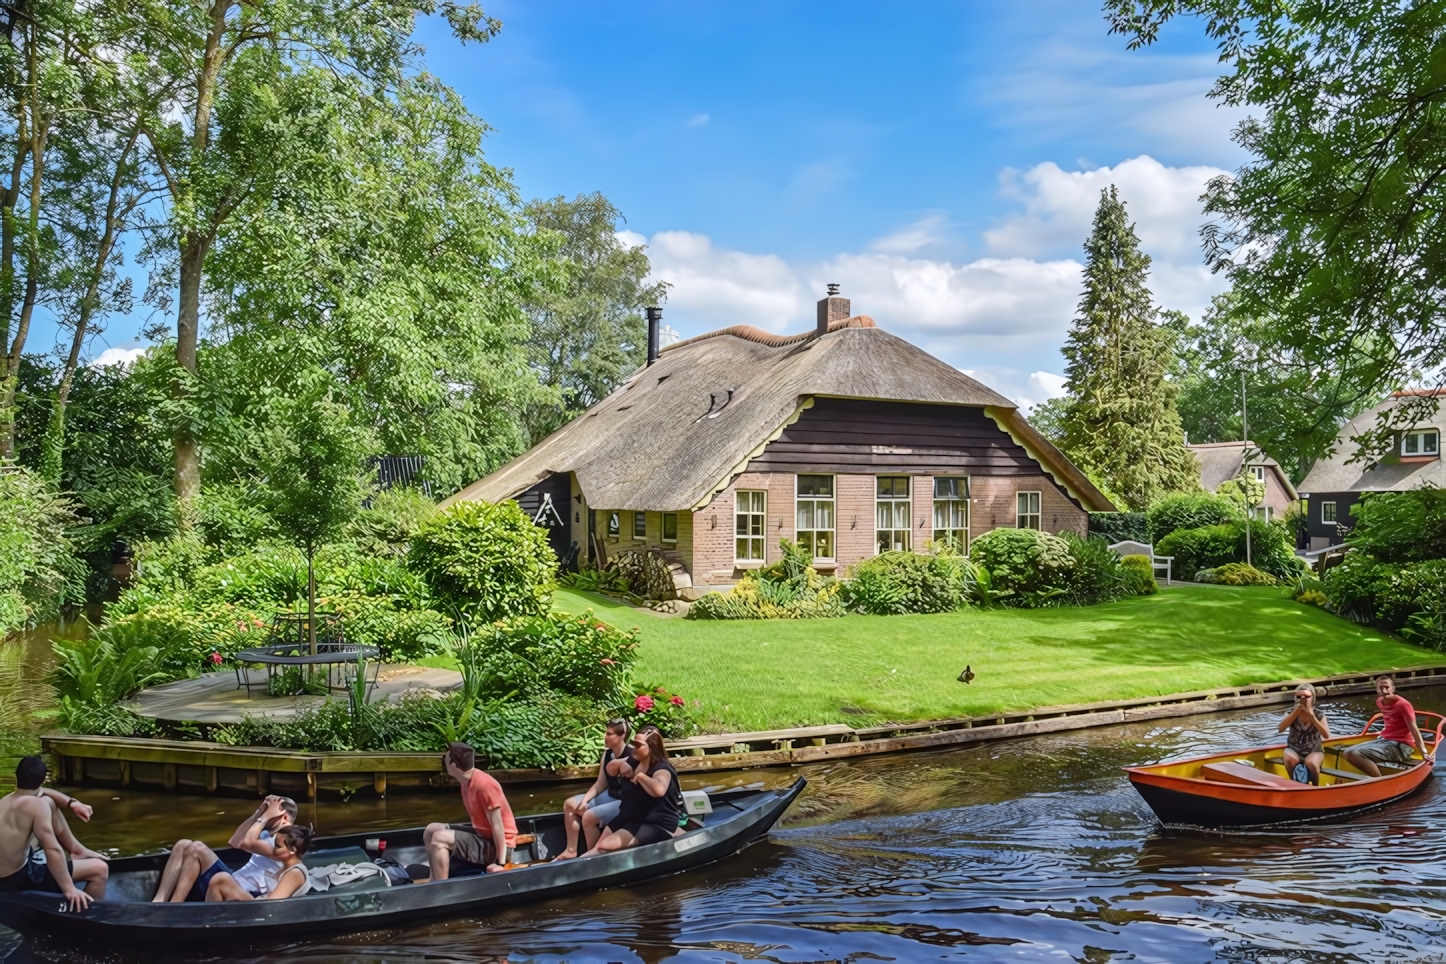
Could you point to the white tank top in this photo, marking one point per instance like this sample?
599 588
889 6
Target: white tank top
254 876
273 877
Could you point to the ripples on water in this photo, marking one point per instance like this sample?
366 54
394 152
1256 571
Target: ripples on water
1021 851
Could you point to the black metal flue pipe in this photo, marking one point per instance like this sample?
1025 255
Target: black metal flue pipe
655 315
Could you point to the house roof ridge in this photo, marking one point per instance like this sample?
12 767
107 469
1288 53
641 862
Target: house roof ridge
755 334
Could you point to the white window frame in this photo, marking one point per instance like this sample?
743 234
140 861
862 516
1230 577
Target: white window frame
643 518
945 504
815 503
886 515
1259 472
750 526
664 532
1323 512
1023 512
1420 436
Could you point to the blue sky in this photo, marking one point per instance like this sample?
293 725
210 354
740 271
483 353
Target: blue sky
939 160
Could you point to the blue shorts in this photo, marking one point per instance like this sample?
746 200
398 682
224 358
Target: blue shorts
605 808
203 882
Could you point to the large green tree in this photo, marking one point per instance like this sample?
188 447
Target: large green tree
1334 233
589 333
1294 410
219 86
1120 424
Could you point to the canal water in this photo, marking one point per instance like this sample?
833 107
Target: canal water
1026 850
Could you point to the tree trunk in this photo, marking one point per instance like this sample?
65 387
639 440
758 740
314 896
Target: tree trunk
311 597
188 324
32 284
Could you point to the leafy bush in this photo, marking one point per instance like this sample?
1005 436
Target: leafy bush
1239 574
389 520
787 589
556 653
595 580
485 561
39 570
1212 546
1192 510
663 709
1120 526
907 582
117 660
1314 597
1401 526
1030 565
1140 575
1097 576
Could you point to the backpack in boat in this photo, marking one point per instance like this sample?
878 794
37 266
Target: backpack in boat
396 873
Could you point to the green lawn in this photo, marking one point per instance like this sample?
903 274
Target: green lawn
770 674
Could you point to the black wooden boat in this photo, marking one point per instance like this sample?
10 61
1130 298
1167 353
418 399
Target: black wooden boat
126 916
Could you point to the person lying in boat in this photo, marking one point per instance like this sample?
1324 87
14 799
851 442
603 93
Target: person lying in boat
593 810
461 849
1304 752
1399 733
652 798
35 812
190 859
288 879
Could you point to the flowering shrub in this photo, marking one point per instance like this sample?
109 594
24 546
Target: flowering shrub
787 589
577 655
667 711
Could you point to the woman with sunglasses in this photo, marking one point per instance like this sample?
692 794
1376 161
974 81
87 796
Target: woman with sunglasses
652 798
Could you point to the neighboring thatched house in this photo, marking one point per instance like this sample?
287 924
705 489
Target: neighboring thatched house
847 439
1335 484
1220 461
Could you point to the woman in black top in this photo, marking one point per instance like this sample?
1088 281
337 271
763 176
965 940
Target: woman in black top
588 813
652 798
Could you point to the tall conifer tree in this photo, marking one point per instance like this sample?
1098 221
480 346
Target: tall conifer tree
1121 425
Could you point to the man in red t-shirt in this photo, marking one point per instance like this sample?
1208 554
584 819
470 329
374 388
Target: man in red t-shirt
472 848
1399 733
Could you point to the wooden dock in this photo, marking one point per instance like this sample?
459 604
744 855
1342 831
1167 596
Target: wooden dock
193 766
218 698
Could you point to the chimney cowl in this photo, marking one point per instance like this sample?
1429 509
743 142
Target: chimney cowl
832 308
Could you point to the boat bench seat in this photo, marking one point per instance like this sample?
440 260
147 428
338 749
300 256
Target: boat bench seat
1243 774
346 855
1328 771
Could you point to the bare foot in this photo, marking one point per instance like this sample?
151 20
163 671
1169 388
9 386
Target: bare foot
565 855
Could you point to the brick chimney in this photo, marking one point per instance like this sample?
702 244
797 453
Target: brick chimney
831 309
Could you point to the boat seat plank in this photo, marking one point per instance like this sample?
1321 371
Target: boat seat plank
1242 774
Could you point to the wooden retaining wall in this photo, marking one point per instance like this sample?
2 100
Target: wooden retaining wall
215 768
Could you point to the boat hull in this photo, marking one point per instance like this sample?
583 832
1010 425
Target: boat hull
1248 788
200 928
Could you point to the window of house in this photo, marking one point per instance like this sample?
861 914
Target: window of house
1258 471
670 527
814 515
1261 512
614 524
891 513
951 513
1026 512
748 522
640 525
1421 443
1327 512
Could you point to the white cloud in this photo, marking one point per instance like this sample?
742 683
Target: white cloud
920 234
116 356
1004 316
697 120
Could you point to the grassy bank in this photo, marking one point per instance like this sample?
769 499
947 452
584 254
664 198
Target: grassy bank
865 669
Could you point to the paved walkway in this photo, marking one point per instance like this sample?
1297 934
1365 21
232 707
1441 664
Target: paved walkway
215 697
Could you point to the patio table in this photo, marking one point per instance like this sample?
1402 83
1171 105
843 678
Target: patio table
339 659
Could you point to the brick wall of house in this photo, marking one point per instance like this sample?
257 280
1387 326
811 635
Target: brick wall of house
854 525
992 505
713 533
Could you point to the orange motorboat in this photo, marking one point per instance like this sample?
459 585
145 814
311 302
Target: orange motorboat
1250 788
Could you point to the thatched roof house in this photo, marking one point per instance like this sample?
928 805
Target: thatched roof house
1220 461
847 438
1335 484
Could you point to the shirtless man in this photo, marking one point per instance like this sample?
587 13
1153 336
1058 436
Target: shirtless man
34 811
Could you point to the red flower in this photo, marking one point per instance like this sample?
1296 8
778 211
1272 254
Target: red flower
643 703
216 658
601 626
606 662
676 701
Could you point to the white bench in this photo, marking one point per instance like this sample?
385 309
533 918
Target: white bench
1157 563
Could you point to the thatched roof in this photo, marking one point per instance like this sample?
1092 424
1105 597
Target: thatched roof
681 429
1338 473
1220 461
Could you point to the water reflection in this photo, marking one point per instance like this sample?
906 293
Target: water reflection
1030 850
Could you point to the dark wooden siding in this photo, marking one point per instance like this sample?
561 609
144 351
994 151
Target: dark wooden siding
842 435
1345 521
559 486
